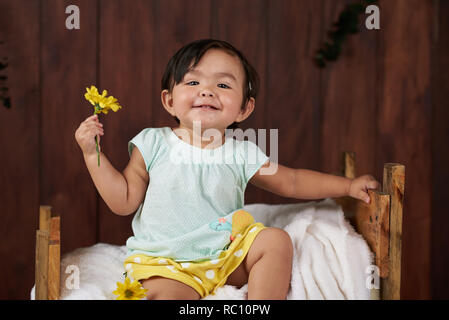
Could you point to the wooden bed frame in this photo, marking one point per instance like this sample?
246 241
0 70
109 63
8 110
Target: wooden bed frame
380 223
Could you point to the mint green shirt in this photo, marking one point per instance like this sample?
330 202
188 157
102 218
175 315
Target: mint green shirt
189 190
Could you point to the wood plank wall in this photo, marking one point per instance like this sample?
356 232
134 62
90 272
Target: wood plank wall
404 127
440 154
20 140
375 100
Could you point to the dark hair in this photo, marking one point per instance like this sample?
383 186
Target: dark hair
181 63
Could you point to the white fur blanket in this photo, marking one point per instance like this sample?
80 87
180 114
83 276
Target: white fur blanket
330 258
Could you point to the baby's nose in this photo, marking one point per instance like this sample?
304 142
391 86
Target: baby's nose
207 93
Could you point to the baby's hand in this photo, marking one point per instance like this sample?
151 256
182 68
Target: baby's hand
85 135
359 187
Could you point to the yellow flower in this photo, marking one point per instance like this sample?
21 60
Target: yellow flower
109 103
101 102
93 96
129 291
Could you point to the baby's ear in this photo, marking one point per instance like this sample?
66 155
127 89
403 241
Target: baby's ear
166 96
247 110
167 101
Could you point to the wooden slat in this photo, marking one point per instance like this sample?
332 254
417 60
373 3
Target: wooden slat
48 255
44 218
55 223
54 257
393 184
384 235
41 275
370 220
349 168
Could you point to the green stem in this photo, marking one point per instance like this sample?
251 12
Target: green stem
98 151
96 141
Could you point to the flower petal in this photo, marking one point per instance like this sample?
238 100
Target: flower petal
102 102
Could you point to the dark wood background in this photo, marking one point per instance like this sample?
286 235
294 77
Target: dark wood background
385 99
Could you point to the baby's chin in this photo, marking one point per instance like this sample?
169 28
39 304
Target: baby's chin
205 124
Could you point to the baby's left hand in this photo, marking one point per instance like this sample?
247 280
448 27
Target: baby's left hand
359 187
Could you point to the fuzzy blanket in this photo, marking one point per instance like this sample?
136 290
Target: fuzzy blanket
330 258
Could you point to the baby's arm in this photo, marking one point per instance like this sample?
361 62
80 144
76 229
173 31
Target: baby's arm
122 192
309 184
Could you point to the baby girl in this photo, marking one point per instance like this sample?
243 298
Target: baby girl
186 185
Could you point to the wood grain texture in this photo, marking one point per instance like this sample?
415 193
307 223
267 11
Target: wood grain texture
45 218
292 85
349 101
393 184
404 127
440 153
375 100
126 69
68 66
41 271
349 165
372 220
48 255
54 258
19 140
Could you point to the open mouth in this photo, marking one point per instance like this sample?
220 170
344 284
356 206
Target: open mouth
206 107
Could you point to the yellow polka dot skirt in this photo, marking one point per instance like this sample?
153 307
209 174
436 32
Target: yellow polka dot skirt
205 276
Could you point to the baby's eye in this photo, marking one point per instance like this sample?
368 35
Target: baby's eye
191 82
222 84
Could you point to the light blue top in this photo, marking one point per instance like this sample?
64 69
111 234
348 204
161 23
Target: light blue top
189 190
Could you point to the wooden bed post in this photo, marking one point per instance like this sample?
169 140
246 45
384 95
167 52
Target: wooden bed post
380 223
41 272
349 164
393 184
48 251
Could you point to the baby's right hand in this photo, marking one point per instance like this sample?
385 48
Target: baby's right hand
86 132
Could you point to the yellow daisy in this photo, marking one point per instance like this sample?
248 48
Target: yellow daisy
109 103
93 96
130 291
102 103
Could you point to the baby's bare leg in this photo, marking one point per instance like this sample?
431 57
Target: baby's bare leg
160 288
269 264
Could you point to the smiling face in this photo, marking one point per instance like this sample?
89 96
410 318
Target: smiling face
211 93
